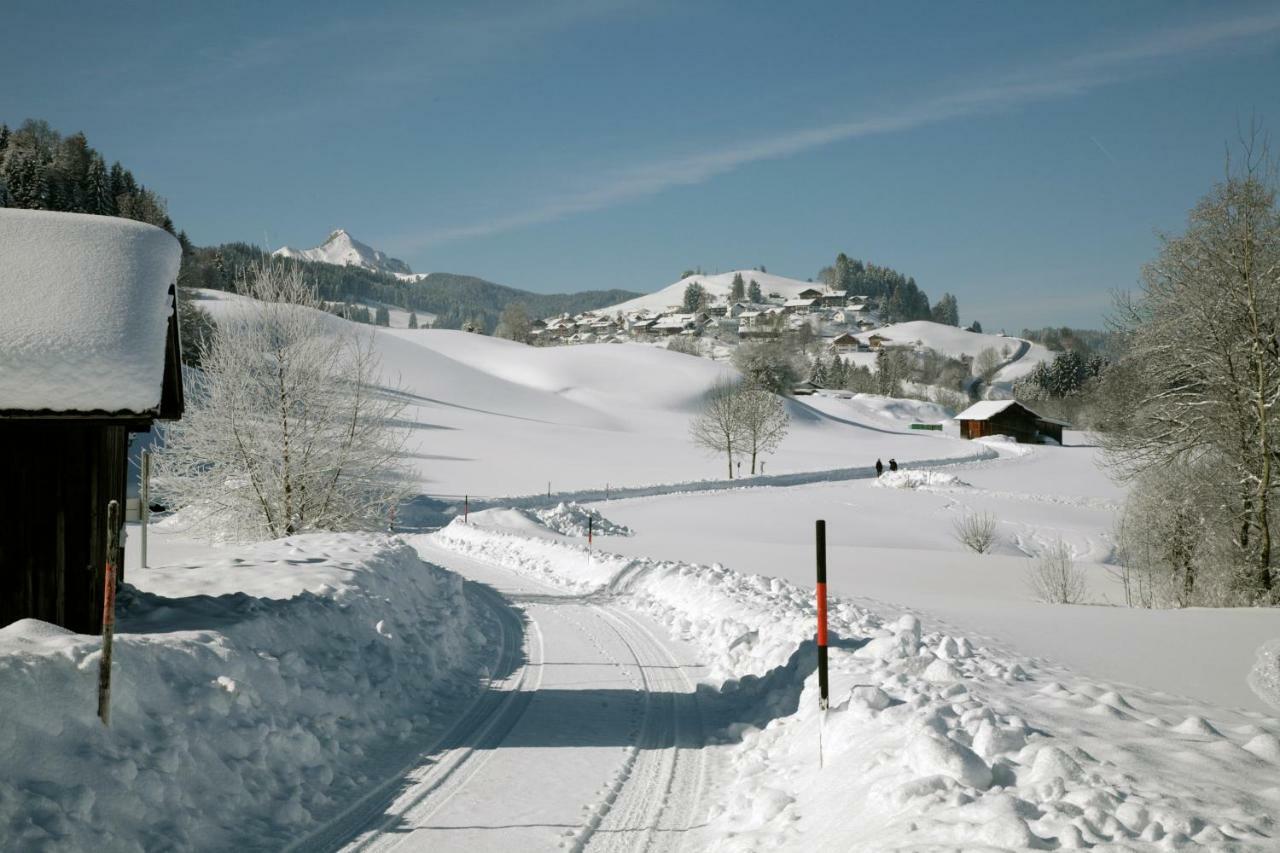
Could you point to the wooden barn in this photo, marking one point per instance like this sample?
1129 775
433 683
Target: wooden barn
89 353
1011 418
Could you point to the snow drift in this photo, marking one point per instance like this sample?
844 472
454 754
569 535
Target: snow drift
250 696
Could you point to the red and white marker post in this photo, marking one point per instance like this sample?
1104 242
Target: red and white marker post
820 531
108 612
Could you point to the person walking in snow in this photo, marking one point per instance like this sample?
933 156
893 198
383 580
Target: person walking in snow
893 464
879 467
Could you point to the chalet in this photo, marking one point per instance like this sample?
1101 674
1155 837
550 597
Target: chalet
804 389
674 324
877 341
832 299
846 343
1011 418
791 306
90 348
811 293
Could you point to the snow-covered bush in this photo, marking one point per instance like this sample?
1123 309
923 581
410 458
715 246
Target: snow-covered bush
1055 577
976 531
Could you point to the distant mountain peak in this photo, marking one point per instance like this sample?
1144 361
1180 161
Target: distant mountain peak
341 249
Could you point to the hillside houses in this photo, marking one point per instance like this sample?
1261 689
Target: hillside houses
832 316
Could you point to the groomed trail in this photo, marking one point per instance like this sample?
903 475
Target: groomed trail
589 736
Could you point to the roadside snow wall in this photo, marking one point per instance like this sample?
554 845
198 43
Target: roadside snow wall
238 720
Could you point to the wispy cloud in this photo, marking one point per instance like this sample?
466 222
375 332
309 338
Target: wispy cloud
1083 72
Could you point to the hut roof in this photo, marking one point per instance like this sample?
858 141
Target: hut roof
987 409
87 305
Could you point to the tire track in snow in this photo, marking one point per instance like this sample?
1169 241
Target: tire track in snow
344 830
660 795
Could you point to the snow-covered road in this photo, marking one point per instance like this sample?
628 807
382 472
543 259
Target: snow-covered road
589 738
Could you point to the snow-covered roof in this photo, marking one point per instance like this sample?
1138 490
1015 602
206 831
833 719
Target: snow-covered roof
799 303
987 409
86 312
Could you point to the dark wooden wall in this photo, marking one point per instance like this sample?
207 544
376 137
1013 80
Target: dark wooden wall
57 478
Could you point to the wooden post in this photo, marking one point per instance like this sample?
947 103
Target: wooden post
144 507
108 612
466 507
591 521
821 536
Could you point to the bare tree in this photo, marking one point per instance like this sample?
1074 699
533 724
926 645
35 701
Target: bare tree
764 421
976 531
1203 344
1055 578
286 429
986 364
514 323
718 426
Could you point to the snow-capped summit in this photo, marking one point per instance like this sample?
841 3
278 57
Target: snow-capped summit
342 249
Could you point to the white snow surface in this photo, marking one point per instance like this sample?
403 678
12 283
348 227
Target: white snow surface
718 285
492 418
253 689
341 249
86 310
936 739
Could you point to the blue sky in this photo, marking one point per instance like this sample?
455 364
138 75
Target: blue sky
1023 156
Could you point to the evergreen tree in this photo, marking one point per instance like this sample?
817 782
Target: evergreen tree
975 326
413 319
695 297
383 316
753 292
820 376
98 198
739 288
946 311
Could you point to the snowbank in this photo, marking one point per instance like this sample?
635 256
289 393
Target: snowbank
249 697
86 310
572 519
934 740
919 478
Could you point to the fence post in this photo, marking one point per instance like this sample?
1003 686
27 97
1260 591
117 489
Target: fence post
108 612
144 507
466 507
591 523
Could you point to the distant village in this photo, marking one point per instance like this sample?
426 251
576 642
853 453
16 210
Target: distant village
840 320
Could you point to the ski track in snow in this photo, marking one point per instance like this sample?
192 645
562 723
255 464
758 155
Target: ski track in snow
644 801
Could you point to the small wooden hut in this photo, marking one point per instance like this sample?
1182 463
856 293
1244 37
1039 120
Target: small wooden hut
89 353
1011 418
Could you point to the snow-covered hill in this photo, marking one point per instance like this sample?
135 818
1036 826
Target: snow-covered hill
341 249
1019 356
717 285
493 417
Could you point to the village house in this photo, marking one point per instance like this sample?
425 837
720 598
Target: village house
846 343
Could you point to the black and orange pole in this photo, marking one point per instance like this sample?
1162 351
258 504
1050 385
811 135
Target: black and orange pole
821 533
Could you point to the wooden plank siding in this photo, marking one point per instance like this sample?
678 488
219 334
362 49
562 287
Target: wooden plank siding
58 478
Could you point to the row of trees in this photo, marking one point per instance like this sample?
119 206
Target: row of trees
740 419
42 170
1200 384
900 299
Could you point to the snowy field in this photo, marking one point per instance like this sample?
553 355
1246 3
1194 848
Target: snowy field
496 685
